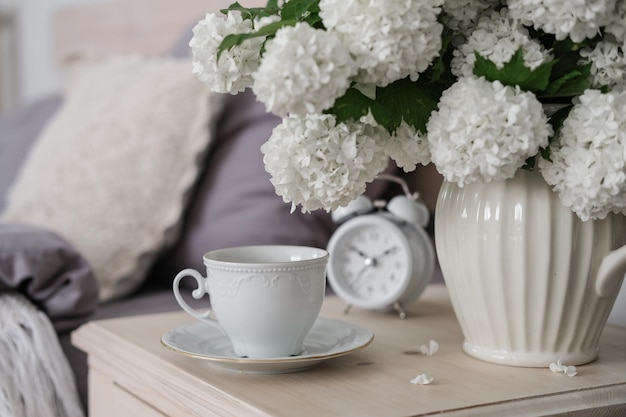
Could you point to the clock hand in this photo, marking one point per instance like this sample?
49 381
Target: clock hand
357 250
369 262
386 252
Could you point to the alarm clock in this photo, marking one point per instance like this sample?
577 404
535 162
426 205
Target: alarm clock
381 256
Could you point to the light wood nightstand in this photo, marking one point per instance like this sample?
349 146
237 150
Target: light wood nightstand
132 374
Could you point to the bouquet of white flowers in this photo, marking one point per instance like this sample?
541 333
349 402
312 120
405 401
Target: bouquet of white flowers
480 88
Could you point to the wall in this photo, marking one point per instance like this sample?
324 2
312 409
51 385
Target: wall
36 74
8 52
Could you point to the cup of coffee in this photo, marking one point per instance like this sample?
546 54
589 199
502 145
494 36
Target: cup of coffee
265 298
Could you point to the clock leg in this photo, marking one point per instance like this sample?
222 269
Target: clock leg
347 308
398 307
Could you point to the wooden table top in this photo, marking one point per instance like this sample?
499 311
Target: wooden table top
373 381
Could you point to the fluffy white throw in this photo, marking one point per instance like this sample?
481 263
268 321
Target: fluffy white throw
35 376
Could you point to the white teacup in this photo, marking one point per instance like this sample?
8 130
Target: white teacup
265 298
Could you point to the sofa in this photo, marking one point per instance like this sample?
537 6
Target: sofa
127 175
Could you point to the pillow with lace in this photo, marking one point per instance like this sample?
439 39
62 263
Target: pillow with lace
112 171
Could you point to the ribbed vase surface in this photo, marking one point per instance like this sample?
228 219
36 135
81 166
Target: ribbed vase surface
521 270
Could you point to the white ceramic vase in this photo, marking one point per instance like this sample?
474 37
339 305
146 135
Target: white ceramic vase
529 281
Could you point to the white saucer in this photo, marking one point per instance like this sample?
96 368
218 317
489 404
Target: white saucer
329 338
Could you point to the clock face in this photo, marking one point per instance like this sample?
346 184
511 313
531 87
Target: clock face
370 262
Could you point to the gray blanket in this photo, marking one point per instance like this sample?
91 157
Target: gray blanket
35 377
48 271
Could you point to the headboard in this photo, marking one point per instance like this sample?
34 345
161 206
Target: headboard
149 27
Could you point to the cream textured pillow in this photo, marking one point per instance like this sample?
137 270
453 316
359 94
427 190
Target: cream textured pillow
112 171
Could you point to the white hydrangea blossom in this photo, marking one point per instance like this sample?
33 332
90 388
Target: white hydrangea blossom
389 40
422 379
608 64
260 22
485 131
616 25
318 163
588 167
497 37
558 367
578 19
430 349
408 147
304 70
462 15
233 72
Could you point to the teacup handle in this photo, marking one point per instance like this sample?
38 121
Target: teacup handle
197 294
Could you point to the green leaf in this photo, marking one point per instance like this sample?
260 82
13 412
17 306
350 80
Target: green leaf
515 72
563 47
246 13
292 11
315 21
401 100
251 13
269 30
440 68
574 87
558 83
351 106
303 11
530 163
299 9
234 7
568 85
231 41
539 78
405 100
565 64
556 120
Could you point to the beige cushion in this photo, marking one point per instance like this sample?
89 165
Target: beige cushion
112 170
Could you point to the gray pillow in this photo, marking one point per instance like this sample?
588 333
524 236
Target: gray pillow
235 203
18 131
49 272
